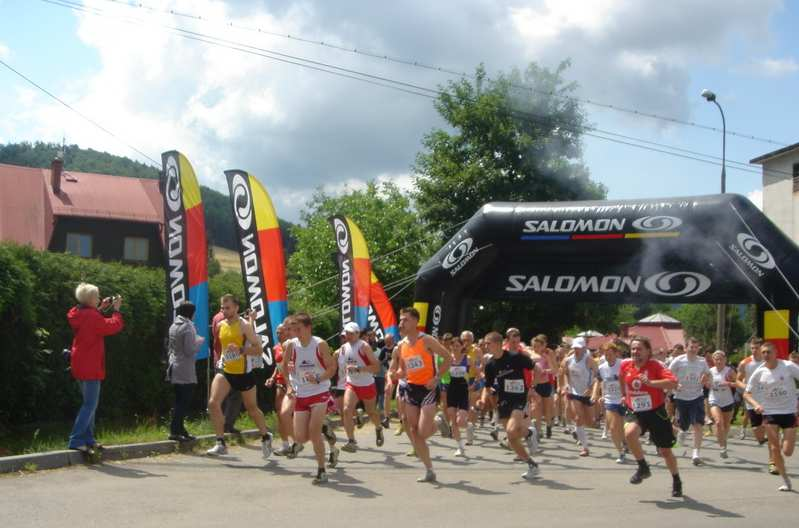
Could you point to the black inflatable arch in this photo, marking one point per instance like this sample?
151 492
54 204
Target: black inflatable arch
702 249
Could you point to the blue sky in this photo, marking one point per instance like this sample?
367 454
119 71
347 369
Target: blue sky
297 129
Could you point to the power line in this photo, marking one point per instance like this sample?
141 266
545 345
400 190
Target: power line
446 70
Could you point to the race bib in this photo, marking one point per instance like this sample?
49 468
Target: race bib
457 372
612 389
642 402
231 356
514 386
414 363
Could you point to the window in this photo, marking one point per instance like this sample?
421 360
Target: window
796 177
79 244
136 249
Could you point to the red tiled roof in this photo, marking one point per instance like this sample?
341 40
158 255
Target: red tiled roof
659 336
28 205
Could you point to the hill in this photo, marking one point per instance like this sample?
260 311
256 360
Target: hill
218 216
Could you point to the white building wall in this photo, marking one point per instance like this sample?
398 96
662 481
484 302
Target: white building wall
780 203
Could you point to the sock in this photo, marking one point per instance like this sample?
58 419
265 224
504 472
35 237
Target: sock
642 464
676 478
220 440
285 445
786 480
582 437
695 453
461 443
265 437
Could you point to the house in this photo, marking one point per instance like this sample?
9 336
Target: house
663 331
780 188
113 218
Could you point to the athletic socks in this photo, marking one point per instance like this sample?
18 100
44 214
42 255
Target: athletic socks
582 437
695 454
642 465
220 440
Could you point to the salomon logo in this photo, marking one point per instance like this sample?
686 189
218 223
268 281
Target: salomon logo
458 253
172 184
755 251
437 314
242 202
657 223
342 236
688 283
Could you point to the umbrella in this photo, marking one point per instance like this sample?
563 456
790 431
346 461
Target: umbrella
590 333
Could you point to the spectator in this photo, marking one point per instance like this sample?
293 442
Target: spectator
184 343
87 357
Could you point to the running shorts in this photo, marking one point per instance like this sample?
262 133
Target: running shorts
458 396
618 408
544 389
726 408
420 396
506 406
705 392
690 412
240 382
337 393
368 392
657 423
305 404
784 421
755 418
585 400
477 385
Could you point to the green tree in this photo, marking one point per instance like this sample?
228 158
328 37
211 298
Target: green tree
515 138
699 320
398 244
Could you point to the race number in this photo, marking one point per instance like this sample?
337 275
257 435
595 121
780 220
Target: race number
514 386
457 372
642 402
414 363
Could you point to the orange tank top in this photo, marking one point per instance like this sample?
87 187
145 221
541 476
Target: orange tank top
418 362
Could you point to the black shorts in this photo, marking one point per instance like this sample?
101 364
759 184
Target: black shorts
705 392
240 382
506 406
458 396
658 424
337 393
544 389
784 421
420 396
726 408
585 400
755 418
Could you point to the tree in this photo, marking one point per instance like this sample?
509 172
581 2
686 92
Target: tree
516 138
699 320
398 244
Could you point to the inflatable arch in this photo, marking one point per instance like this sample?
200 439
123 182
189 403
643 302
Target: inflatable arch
702 249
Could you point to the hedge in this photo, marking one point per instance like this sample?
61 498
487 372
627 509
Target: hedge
36 290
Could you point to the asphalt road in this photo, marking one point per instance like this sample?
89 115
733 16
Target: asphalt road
377 487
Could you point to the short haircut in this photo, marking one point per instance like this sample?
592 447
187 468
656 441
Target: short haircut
467 334
186 309
413 312
229 297
643 340
493 337
767 345
85 292
610 345
540 338
692 340
679 346
302 318
512 331
755 340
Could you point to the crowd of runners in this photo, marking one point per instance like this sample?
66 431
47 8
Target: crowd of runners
456 384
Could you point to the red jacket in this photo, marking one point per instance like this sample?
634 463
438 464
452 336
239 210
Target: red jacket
88 345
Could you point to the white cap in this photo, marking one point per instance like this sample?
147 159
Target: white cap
578 342
352 328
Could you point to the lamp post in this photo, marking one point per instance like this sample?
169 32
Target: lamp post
721 312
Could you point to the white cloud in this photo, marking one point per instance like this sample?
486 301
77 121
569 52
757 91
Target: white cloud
756 197
778 67
5 52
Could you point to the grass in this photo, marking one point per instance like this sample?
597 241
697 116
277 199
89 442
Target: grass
53 437
228 259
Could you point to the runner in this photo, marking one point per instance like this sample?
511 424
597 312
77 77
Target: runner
417 353
544 405
241 348
441 417
458 394
283 405
693 375
580 372
643 385
361 366
386 353
475 377
721 398
746 368
771 391
608 374
310 365
506 369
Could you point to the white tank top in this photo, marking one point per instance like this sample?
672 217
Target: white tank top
579 374
355 356
341 382
750 369
720 395
611 387
307 365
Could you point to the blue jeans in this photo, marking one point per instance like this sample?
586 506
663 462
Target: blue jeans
83 430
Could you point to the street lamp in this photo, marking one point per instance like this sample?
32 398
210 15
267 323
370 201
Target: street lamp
721 311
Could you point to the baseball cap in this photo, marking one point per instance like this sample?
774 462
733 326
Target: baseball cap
578 342
352 328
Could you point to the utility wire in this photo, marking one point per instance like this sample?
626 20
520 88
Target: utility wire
441 69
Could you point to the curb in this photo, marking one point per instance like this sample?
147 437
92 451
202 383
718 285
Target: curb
60 459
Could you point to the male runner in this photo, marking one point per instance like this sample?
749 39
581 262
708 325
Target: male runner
360 366
310 365
746 368
581 374
417 353
507 369
643 384
692 375
771 391
240 346
474 378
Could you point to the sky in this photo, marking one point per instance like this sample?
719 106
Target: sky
298 129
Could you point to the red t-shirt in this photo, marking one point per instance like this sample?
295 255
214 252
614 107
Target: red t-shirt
640 397
278 351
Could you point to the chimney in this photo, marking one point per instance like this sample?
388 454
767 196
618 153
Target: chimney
56 167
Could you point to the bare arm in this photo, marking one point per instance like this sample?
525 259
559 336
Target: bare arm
436 348
329 362
374 365
252 346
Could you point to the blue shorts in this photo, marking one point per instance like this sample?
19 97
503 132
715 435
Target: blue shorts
690 412
618 408
477 385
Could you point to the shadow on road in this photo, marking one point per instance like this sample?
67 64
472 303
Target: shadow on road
122 471
464 485
551 484
687 503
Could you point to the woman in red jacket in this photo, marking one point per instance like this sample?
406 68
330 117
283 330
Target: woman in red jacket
88 357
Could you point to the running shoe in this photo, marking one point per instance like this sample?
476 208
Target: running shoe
532 440
697 461
772 469
385 423
549 431
640 474
470 434
494 433
723 454
604 435
622 458
504 444
429 476
532 471
584 452
742 434
283 451
359 420
379 440
329 434
400 430
411 452
332 459
266 445
784 487
460 453
443 426
218 449
320 478
676 488
350 447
